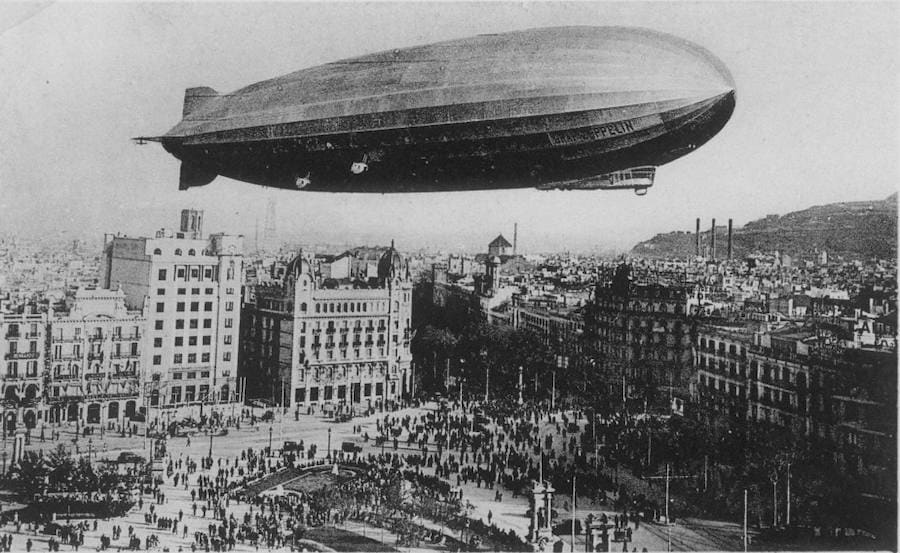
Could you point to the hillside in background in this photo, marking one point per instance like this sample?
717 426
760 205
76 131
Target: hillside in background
855 230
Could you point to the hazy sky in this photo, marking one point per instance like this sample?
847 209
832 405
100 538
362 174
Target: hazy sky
816 119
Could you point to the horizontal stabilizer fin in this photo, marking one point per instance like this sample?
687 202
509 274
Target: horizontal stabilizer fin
194 175
196 97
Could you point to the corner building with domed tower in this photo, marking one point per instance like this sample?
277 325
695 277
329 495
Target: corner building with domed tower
326 337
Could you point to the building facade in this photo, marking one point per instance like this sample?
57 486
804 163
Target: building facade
305 344
641 337
192 289
24 349
94 365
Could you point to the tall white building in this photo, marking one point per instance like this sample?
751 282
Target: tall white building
192 287
23 347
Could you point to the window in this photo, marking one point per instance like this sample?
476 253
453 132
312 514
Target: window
226 356
207 340
157 359
303 308
192 358
229 323
157 251
192 340
204 357
12 369
208 274
182 291
192 324
191 375
176 394
157 342
227 290
228 339
179 324
209 291
195 306
158 325
318 308
179 341
177 251
160 291
161 275
179 306
207 306
195 273
207 323
229 306
177 359
176 376
179 273
160 307
192 252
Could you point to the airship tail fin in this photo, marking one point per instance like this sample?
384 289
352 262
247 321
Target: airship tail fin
196 97
194 175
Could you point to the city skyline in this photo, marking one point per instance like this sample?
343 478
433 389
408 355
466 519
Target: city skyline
104 74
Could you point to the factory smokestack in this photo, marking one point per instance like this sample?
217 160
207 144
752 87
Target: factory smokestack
712 241
515 238
729 239
697 238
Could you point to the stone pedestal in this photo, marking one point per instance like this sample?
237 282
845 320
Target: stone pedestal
541 502
598 537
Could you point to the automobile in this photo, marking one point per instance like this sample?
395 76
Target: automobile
350 447
129 457
291 446
267 416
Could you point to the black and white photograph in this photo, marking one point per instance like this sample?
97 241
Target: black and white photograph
400 276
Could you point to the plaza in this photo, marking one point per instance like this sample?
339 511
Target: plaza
187 462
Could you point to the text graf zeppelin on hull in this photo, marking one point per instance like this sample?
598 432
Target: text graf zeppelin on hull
561 107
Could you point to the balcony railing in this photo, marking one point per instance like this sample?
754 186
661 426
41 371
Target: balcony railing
23 355
124 355
96 337
62 377
94 376
125 338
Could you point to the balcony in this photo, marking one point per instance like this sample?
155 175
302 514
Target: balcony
32 335
124 375
126 338
125 355
94 376
69 357
96 337
64 377
24 355
95 356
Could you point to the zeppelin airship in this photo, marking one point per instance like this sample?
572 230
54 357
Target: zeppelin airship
550 108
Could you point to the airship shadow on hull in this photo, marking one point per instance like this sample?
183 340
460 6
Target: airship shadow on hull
571 108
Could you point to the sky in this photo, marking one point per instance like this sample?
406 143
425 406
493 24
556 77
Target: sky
817 118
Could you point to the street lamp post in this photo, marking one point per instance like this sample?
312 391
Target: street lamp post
329 445
210 444
270 439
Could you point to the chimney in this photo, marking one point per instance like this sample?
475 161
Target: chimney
697 238
729 238
712 241
515 238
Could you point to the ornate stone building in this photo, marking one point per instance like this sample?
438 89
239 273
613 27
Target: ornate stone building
309 340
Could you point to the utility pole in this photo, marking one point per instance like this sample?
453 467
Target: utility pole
774 503
573 514
788 506
668 522
745 520
487 380
705 471
553 393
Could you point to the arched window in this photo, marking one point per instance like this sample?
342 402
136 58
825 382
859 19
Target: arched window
177 251
192 252
318 308
230 275
157 251
303 308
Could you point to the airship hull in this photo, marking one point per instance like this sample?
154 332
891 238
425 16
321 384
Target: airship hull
522 109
